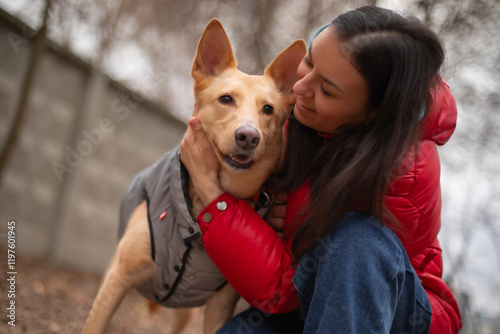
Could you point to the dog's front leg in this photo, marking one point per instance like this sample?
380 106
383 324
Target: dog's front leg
130 266
220 308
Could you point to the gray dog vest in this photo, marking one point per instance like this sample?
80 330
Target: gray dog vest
185 275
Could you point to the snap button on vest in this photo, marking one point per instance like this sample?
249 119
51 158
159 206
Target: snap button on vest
221 205
207 217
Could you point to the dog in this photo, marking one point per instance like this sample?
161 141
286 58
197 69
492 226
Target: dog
242 116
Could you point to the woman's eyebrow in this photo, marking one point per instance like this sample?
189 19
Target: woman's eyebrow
325 79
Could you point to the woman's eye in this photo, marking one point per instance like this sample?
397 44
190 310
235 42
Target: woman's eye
308 63
226 99
325 92
268 110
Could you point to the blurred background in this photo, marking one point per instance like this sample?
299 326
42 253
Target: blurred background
92 91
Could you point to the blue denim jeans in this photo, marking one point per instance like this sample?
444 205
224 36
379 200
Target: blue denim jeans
357 279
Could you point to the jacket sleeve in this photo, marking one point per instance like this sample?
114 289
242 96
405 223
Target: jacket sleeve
249 254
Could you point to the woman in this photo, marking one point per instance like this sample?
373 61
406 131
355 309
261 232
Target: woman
360 251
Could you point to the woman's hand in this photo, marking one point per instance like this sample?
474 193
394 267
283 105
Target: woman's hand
275 216
198 157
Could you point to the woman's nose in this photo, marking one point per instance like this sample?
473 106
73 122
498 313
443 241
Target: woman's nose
302 87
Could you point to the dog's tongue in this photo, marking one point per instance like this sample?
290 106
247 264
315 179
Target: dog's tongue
241 158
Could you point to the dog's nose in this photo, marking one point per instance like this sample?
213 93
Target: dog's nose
247 137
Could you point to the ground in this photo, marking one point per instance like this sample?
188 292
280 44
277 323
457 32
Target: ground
50 299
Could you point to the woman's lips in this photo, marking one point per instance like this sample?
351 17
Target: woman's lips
302 107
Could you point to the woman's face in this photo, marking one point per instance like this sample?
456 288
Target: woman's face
330 91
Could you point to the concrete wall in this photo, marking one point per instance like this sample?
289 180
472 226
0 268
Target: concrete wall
83 139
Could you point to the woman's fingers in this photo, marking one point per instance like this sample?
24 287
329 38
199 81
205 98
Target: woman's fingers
199 135
201 162
275 217
195 110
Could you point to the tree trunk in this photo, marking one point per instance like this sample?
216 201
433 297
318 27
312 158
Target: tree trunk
26 88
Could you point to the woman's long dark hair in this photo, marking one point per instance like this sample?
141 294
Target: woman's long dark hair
399 58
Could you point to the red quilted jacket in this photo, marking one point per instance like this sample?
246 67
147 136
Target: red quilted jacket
257 262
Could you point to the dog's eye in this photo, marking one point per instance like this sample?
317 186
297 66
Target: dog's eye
226 99
268 110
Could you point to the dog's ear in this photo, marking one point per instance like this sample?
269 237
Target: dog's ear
214 53
283 69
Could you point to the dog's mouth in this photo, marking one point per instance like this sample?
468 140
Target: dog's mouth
237 161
